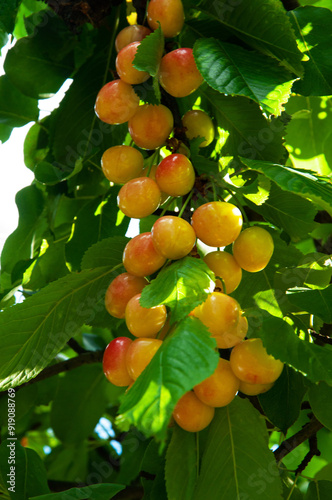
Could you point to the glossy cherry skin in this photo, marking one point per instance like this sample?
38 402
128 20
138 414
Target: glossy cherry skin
252 364
220 388
233 336
114 362
253 249
254 389
173 237
124 65
217 223
225 266
120 164
178 73
116 102
151 172
220 313
151 125
140 256
170 15
191 414
129 34
198 124
139 197
143 321
175 175
120 291
139 355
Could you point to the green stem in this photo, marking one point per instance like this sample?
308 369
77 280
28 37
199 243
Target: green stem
185 204
292 489
167 205
197 454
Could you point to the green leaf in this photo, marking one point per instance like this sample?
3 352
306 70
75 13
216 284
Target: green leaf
107 252
319 490
282 403
33 332
93 492
295 215
313 30
8 9
95 221
16 109
320 402
232 70
149 52
265 28
24 242
236 463
308 133
82 395
317 302
67 462
244 130
296 181
181 465
181 286
49 267
150 402
38 65
280 340
149 91
29 471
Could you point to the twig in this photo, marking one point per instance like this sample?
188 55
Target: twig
313 451
64 366
308 430
76 347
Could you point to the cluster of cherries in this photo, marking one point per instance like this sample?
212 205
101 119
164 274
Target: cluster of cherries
218 224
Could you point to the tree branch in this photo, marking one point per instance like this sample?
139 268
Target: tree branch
65 366
291 443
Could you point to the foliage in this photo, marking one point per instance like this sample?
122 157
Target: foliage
268 88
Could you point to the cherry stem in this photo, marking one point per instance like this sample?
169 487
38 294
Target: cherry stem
185 204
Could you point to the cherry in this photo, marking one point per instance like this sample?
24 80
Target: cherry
116 102
142 321
198 124
125 68
151 125
217 223
139 197
224 265
173 237
140 256
220 388
133 33
120 291
252 364
253 249
120 164
139 355
170 15
254 389
175 175
191 414
178 73
114 362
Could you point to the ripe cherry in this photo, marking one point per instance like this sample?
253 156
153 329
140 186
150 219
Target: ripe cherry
198 124
252 364
178 73
224 265
139 355
175 175
173 237
170 15
120 164
217 223
139 197
253 249
132 33
151 125
116 102
114 362
191 414
140 256
220 388
125 68
120 291
143 321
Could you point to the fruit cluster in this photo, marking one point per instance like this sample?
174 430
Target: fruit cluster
217 223
250 369
150 125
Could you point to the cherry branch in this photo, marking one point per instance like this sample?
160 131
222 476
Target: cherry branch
287 446
65 366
